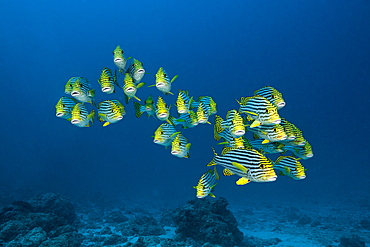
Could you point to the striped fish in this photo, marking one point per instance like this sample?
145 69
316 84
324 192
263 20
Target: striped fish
163 82
82 91
272 95
187 120
203 113
180 147
260 110
81 117
303 152
271 133
64 107
209 103
136 70
298 137
267 148
69 85
148 107
233 122
249 164
119 59
165 134
161 110
107 81
291 167
130 88
288 129
110 111
229 139
207 183
183 102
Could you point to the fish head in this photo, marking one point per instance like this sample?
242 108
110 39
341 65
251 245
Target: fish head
162 115
159 136
269 115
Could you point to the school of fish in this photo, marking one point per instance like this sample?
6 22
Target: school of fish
258 114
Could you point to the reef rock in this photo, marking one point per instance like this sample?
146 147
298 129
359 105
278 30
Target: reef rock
208 221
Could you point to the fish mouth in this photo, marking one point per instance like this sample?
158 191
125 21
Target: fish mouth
302 177
162 116
130 89
59 114
157 141
106 89
239 132
271 179
280 105
174 152
75 121
309 155
282 138
159 84
277 121
119 118
182 111
302 143
75 93
291 138
141 71
118 60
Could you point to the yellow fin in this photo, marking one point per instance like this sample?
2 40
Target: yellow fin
265 141
255 123
106 124
151 85
240 167
137 98
242 181
174 78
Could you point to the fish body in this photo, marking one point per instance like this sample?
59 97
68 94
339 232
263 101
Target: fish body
136 70
81 117
203 113
303 152
260 110
271 133
64 107
209 103
229 139
206 183
183 102
161 110
110 111
288 129
249 164
119 59
268 148
180 146
272 95
130 88
107 81
165 134
163 82
187 120
69 85
82 91
291 167
233 122
148 107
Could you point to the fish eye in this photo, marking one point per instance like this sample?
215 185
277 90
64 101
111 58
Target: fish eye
121 52
267 110
63 105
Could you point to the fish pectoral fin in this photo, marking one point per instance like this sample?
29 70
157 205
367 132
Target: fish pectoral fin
212 195
187 147
209 123
242 181
140 85
170 93
106 124
174 78
175 134
152 85
255 124
137 98
265 141
240 167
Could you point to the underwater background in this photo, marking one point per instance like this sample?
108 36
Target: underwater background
316 53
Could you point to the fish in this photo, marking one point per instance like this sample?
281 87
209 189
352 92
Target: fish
271 133
209 103
183 102
64 107
148 107
303 152
136 70
272 95
69 85
165 134
81 117
260 110
110 111
82 91
187 120
107 81
267 148
163 82
206 183
161 110
180 146
203 113
291 167
119 59
249 164
130 88
288 129
233 122
229 139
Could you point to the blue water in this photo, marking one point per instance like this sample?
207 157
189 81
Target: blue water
316 53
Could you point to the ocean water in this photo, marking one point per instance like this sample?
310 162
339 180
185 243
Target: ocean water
316 53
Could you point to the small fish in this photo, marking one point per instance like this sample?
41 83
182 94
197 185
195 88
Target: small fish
107 81
207 183
136 70
249 164
187 120
148 107
129 88
183 102
272 95
64 107
267 148
165 134
260 110
82 91
119 59
209 103
69 85
81 117
163 82
203 113
180 147
161 110
110 111
229 139
298 137
303 152
291 167
233 122
288 129
271 133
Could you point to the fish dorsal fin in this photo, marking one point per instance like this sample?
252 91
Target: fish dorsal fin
242 181
226 150
279 159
